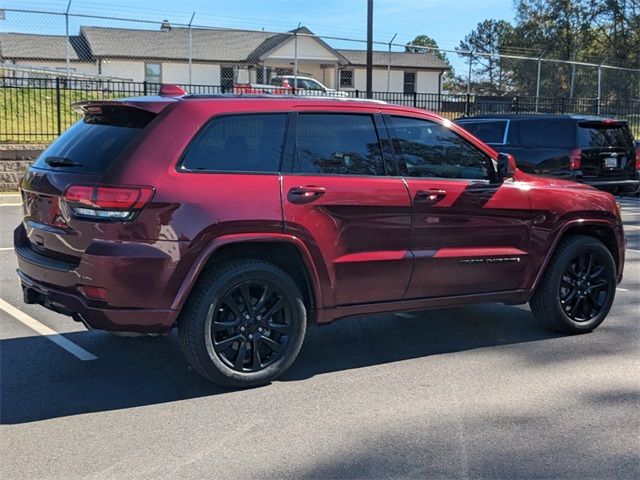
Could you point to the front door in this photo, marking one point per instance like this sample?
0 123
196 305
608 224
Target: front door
355 220
470 234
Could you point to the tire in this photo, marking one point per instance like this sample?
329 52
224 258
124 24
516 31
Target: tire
220 342
569 298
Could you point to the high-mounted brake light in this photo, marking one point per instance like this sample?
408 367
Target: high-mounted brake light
575 159
108 203
170 90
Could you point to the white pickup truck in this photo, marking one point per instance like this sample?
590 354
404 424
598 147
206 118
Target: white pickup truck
283 84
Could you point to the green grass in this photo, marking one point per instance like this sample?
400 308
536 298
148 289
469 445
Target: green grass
30 115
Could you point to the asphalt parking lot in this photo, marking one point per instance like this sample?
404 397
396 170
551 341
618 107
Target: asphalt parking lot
475 392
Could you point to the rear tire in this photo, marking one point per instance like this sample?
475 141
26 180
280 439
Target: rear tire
243 324
578 287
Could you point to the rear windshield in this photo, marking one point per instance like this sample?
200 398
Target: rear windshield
489 131
547 133
599 136
93 143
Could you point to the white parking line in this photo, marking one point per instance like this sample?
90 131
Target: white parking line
48 333
622 289
11 205
632 226
632 250
404 315
3 249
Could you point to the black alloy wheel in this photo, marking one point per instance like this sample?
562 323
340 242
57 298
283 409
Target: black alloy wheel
243 324
584 287
250 326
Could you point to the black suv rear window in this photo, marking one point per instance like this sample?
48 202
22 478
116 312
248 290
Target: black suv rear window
93 143
547 133
489 131
603 135
238 143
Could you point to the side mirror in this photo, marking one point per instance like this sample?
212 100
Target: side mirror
506 165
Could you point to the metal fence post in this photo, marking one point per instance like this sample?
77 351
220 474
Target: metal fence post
469 75
538 83
415 99
66 36
295 60
467 105
191 46
144 87
58 104
599 89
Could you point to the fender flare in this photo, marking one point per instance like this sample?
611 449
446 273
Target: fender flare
579 222
203 257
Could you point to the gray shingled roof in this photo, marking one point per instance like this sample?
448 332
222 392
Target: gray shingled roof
398 59
207 45
42 47
224 45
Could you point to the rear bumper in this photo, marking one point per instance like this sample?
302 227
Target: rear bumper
141 281
613 183
115 319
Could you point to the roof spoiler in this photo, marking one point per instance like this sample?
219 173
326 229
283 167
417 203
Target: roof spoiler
149 104
602 122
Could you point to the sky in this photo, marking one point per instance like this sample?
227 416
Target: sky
446 21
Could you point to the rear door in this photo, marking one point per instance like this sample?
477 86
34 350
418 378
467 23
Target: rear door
470 234
607 150
355 220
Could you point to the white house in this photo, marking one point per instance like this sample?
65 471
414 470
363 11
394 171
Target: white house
220 57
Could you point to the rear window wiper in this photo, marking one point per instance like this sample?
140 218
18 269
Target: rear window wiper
61 162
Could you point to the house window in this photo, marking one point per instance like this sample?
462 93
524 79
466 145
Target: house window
409 82
152 73
227 79
346 78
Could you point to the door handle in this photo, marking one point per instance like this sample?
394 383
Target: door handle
304 194
432 195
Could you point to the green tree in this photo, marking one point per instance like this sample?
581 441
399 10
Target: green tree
591 31
430 46
487 39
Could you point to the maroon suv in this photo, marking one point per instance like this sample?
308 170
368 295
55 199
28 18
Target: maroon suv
240 219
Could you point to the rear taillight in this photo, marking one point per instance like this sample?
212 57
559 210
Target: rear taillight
637 158
94 293
106 203
575 159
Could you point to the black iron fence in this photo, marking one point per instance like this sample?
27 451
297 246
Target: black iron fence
39 109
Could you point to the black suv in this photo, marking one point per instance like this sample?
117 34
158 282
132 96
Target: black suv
594 150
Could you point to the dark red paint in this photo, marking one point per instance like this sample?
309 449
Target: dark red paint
367 244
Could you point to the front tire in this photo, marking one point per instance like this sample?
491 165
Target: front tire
578 287
244 323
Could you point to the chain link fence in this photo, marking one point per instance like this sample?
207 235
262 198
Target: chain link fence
50 59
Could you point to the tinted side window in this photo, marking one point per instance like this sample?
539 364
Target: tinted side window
547 133
242 143
489 131
338 144
432 150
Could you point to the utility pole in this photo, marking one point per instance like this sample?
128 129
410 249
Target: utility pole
389 64
369 48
